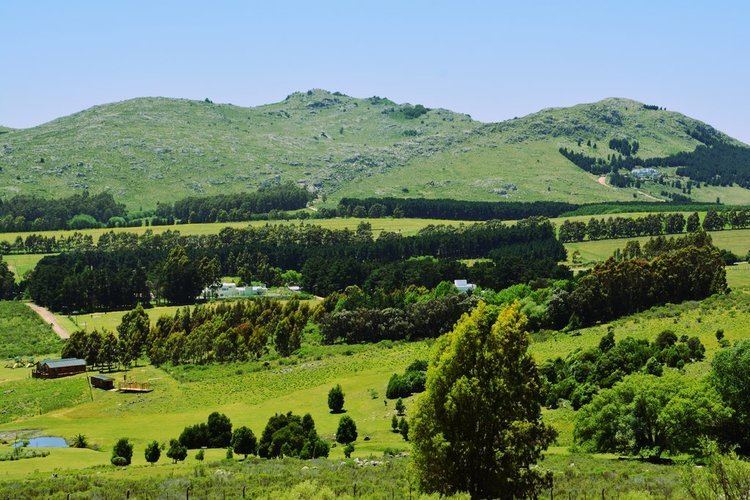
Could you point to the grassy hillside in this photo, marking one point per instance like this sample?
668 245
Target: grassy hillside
23 333
150 149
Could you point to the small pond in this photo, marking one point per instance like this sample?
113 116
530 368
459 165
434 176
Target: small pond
43 442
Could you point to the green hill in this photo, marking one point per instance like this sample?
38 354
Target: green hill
150 149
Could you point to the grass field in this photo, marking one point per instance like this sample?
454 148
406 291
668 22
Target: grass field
250 392
156 149
20 264
23 333
737 241
403 226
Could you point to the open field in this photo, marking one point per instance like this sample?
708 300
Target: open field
250 392
20 264
403 226
737 241
23 333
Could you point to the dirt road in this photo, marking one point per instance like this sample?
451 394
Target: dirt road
50 319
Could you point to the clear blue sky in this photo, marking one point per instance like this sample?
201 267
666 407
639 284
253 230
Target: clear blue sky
493 60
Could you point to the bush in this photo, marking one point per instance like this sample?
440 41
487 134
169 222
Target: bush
124 449
291 435
119 461
348 449
83 221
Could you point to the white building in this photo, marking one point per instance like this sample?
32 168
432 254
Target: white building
231 290
464 286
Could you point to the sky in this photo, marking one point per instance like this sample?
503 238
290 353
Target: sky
494 60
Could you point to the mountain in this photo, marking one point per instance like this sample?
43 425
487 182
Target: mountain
157 149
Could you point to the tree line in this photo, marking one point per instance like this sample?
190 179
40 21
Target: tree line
652 225
32 213
679 413
125 269
450 209
236 206
582 374
714 162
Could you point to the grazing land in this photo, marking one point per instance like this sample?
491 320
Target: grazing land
249 392
403 226
155 149
23 333
736 241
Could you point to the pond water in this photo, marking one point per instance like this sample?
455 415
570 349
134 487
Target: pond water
44 442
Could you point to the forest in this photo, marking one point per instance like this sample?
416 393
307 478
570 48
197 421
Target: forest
124 269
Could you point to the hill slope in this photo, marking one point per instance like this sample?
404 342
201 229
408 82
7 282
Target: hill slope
150 149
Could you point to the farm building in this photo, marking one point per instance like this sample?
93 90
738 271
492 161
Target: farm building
102 382
231 290
464 286
56 368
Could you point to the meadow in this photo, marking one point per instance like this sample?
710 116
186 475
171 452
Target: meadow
736 241
250 392
23 333
403 226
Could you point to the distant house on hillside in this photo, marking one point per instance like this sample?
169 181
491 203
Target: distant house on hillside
56 368
464 286
231 290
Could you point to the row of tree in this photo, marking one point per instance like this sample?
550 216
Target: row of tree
224 332
32 213
652 225
236 206
450 209
125 269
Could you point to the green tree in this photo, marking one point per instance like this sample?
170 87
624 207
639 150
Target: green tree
124 449
132 333
176 451
219 430
394 423
200 455
347 430
180 277
153 452
730 375
400 407
348 449
336 399
244 441
648 416
7 281
693 223
403 428
478 427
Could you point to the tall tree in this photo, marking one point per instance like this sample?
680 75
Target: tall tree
478 427
180 277
133 331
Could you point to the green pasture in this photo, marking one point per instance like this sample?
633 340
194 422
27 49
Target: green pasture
403 226
23 333
737 241
20 264
250 392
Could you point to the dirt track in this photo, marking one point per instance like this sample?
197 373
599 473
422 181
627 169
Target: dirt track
50 319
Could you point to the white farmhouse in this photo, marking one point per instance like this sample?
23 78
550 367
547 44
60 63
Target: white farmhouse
464 286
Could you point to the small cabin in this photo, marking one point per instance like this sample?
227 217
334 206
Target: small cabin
56 368
102 382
